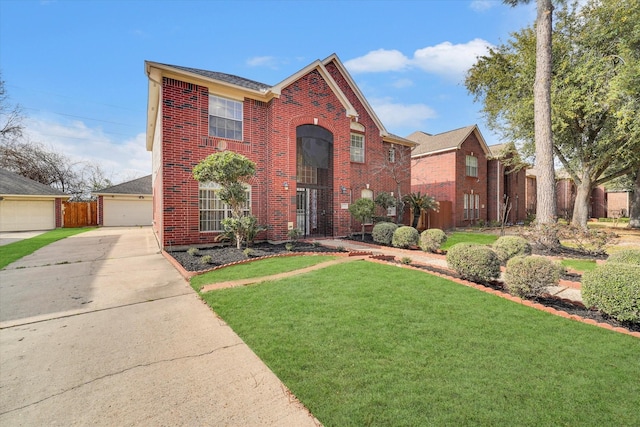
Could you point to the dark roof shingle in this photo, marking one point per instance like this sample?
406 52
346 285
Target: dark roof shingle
14 184
227 78
136 186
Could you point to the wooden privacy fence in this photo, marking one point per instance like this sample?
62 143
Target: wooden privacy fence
441 219
80 214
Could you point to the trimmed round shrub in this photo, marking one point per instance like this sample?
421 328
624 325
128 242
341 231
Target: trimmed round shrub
614 288
432 239
627 256
507 247
383 232
478 263
405 236
529 276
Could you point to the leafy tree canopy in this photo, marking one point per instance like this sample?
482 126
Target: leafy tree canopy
595 92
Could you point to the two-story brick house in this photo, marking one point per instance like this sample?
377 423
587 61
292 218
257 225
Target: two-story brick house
452 167
317 144
506 185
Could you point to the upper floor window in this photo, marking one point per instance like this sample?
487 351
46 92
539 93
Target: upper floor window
392 155
472 166
357 148
225 118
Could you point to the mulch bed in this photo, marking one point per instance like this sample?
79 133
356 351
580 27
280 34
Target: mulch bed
223 255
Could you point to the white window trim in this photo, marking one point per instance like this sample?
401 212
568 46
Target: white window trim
232 111
223 207
471 169
356 154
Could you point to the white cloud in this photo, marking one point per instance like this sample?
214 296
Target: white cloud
408 117
402 83
122 159
378 61
482 5
262 61
445 59
450 60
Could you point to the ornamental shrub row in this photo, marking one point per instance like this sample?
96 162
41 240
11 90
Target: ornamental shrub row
614 287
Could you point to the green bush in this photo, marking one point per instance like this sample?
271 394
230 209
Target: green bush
627 256
432 239
404 237
206 259
529 276
383 232
507 247
614 288
478 263
193 251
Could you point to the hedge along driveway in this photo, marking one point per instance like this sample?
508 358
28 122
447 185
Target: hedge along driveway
377 344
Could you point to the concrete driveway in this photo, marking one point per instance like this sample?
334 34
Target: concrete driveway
99 329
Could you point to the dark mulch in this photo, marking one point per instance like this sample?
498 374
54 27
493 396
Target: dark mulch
223 255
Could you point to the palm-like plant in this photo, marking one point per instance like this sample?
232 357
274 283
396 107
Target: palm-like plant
419 202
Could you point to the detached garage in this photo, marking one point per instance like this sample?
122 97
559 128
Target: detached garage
126 205
27 205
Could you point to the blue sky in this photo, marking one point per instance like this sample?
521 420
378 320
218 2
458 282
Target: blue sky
77 67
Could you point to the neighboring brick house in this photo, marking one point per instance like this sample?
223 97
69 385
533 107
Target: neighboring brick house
316 142
618 203
452 166
505 185
566 196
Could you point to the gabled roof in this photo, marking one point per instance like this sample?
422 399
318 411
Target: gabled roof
228 78
498 149
12 184
239 88
136 186
446 141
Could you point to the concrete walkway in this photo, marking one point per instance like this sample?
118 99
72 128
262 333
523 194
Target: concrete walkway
99 329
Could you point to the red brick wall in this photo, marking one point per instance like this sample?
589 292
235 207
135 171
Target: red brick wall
59 214
269 139
511 184
100 210
617 204
467 184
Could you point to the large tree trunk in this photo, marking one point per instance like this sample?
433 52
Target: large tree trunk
545 181
581 205
634 210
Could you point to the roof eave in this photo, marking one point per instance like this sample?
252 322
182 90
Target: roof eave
334 58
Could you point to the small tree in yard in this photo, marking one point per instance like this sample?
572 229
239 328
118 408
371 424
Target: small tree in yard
362 210
231 171
385 201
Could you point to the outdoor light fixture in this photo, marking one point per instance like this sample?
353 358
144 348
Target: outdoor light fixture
140 197
343 189
285 185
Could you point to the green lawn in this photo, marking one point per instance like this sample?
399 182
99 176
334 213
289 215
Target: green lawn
369 344
16 250
580 265
265 267
469 237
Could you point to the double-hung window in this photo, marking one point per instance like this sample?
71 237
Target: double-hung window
472 166
225 118
357 148
213 210
392 155
471 206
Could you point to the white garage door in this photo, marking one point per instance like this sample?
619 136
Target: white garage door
127 213
27 215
